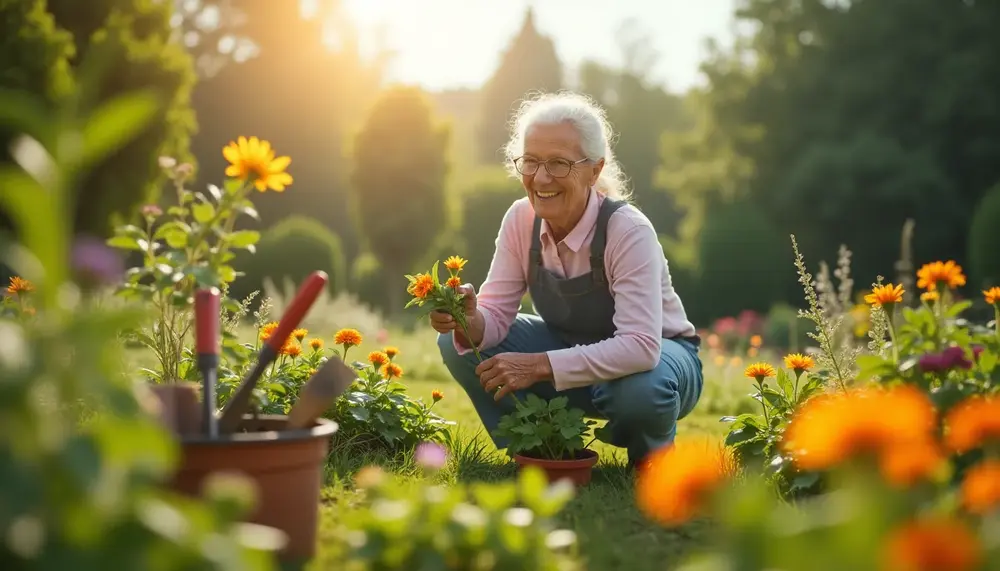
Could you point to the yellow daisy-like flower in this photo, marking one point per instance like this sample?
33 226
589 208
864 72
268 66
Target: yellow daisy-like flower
455 263
948 274
19 285
992 295
300 333
759 371
885 295
799 362
253 159
347 337
930 296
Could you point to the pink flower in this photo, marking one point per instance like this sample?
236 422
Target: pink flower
430 456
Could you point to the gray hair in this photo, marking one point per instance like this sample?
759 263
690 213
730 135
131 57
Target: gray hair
589 120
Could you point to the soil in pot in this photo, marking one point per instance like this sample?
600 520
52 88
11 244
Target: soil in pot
285 465
578 470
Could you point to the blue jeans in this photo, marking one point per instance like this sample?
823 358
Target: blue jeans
642 408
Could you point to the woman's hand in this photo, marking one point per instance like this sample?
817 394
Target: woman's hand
444 323
513 372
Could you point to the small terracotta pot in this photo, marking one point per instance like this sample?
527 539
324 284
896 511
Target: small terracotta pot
286 466
179 406
577 471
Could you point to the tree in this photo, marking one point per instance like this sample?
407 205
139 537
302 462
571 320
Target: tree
398 182
529 64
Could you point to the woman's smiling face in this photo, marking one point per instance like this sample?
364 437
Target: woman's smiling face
560 200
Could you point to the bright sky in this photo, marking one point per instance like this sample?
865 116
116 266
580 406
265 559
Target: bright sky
456 43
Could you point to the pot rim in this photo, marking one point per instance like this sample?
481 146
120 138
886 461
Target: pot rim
589 460
324 429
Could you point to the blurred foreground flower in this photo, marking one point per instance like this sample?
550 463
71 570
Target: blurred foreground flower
430 456
932 545
973 423
95 264
675 482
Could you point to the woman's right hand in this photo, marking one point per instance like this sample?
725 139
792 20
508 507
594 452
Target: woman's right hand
444 323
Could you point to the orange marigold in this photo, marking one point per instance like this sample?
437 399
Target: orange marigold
799 362
992 295
348 337
834 428
19 285
972 422
759 371
884 295
453 282
939 544
437 395
948 274
300 333
267 330
455 263
316 344
291 348
378 358
674 482
981 487
391 352
392 371
422 285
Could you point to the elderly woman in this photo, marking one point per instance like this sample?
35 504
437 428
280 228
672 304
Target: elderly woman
610 331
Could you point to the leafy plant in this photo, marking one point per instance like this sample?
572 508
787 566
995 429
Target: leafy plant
545 429
186 248
481 526
430 294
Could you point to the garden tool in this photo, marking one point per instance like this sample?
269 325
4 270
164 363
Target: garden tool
206 323
328 383
310 289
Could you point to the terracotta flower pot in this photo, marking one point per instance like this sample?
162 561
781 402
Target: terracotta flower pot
578 470
286 466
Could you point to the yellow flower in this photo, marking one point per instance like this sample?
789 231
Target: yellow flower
453 282
300 333
972 423
799 362
347 337
930 296
938 544
253 159
392 370
981 487
316 344
391 352
949 274
454 263
422 285
673 483
378 358
437 395
884 295
267 330
759 371
992 295
19 285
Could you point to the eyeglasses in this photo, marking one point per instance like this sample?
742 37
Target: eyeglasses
557 168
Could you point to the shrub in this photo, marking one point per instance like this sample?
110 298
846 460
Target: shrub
984 235
485 203
292 249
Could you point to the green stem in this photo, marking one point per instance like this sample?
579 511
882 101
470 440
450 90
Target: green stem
763 405
795 387
996 319
892 334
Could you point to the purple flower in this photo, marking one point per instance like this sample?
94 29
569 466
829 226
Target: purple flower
430 456
932 363
950 358
95 264
976 351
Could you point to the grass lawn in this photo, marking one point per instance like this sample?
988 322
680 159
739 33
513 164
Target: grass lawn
612 533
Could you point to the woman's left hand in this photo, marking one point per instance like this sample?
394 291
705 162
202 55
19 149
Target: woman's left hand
513 372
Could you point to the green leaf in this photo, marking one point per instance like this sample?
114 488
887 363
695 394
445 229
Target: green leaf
115 123
24 112
244 238
124 243
176 238
233 185
203 212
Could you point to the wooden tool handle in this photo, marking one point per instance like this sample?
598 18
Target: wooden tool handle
306 296
206 321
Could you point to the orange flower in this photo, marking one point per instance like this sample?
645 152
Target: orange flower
981 487
834 428
347 337
300 334
437 395
949 274
392 370
19 285
454 263
973 422
391 352
453 282
674 482
992 295
253 159
906 465
756 341
316 344
421 285
759 371
937 544
378 358
291 348
930 296
885 295
267 330
799 362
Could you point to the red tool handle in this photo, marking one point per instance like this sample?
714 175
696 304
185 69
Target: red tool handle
306 296
206 321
